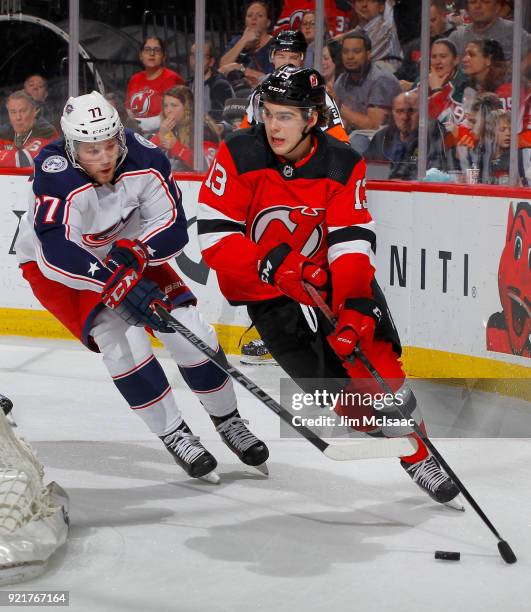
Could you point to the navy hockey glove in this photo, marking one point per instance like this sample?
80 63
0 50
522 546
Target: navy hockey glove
288 270
134 299
356 323
127 253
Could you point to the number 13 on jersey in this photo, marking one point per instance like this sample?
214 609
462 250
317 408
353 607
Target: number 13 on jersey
217 179
360 195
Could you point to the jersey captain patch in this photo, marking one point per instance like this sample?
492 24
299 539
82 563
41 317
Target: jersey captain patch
55 163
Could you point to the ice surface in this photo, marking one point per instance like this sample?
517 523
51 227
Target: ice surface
316 535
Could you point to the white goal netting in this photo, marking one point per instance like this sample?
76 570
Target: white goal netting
33 521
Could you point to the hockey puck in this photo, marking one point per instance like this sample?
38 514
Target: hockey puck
447 555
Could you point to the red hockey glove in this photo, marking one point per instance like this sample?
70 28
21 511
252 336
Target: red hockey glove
288 271
134 299
356 323
127 253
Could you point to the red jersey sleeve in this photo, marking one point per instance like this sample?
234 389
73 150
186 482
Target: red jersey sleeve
224 200
351 239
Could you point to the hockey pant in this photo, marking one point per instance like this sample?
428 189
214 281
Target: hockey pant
139 377
296 337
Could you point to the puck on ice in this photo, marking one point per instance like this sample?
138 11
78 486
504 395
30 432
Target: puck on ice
447 555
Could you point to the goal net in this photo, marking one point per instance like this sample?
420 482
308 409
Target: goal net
33 517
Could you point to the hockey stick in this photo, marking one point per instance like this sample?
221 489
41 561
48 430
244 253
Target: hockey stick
505 550
346 451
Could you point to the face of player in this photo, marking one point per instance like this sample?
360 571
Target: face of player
284 126
474 62
483 12
21 115
355 57
35 86
438 23
307 27
281 58
368 9
173 108
99 159
503 134
328 66
405 113
152 55
256 18
443 61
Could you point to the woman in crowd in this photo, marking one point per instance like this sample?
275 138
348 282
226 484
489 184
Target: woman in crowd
332 65
307 27
492 152
145 88
175 134
484 65
249 53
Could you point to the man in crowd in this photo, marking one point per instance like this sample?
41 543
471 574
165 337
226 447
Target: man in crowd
25 135
364 92
398 142
217 87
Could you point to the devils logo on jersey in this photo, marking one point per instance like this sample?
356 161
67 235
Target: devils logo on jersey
301 227
140 102
509 331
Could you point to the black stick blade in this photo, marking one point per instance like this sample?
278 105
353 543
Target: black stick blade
506 552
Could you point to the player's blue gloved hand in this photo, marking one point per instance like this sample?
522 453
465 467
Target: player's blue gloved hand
134 299
127 253
288 270
356 323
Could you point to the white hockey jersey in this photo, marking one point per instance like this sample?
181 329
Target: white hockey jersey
72 222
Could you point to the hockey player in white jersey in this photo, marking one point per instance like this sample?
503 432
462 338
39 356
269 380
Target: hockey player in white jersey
104 220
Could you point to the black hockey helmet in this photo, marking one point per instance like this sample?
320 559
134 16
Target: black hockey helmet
288 40
303 87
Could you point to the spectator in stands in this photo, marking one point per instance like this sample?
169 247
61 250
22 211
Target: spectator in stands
485 67
493 148
233 114
337 14
332 65
376 20
249 53
398 142
307 27
145 88
37 87
439 28
217 88
364 92
125 117
487 23
175 134
24 136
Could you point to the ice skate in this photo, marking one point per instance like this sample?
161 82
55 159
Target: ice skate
242 442
256 352
190 454
431 479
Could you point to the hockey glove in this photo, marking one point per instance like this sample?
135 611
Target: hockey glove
127 253
288 271
356 324
134 299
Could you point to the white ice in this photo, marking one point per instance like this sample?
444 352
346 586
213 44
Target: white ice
316 535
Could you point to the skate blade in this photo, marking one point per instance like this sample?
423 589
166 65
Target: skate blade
263 469
212 478
455 504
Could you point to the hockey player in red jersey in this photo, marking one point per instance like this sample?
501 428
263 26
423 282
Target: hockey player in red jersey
104 221
282 205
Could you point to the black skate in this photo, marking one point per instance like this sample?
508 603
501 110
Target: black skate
256 352
190 454
430 478
242 442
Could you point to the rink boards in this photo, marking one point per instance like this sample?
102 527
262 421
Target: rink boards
438 260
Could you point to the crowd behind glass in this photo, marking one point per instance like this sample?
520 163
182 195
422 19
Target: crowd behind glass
371 69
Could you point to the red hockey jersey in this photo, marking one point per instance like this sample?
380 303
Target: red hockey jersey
337 15
144 96
317 206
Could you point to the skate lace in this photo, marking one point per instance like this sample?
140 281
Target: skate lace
237 434
185 445
428 474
